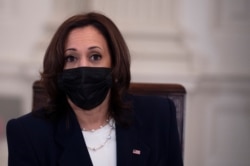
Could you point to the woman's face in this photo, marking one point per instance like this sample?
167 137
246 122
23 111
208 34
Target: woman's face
86 47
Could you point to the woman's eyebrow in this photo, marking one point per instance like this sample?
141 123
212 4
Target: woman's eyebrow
94 47
90 48
70 49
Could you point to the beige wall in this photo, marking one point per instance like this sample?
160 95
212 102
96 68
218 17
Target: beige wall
203 45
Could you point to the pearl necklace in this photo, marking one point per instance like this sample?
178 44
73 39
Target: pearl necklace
101 126
111 125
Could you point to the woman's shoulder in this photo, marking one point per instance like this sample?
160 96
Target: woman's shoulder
152 106
33 121
149 101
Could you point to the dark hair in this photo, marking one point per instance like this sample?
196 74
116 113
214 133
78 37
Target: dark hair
120 59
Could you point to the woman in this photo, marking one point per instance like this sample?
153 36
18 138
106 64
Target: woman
90 119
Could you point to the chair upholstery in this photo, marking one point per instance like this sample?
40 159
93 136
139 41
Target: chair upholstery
175 92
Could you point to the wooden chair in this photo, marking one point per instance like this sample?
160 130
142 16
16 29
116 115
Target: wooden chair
175 92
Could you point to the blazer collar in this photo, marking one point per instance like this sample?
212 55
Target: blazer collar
131 151
71 145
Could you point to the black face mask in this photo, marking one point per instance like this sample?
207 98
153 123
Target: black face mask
87 87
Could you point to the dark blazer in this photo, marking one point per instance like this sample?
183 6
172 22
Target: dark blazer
35 141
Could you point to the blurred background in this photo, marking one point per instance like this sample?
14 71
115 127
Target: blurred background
202 44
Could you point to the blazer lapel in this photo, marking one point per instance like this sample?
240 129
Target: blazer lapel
130 150
72 148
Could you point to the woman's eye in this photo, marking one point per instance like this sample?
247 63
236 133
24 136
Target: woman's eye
70 58
95 57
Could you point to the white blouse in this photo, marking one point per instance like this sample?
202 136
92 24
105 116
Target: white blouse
101 145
